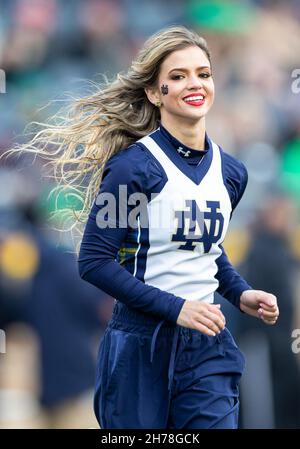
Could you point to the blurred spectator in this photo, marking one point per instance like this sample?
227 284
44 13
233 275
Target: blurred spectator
40 286
270 266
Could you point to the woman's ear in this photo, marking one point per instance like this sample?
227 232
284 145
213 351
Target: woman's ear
152 95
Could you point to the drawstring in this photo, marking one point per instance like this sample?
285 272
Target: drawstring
154 339
173 350
172 358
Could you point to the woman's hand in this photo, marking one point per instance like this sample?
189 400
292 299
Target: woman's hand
202 316
260 304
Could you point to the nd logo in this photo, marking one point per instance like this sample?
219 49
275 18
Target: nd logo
192 228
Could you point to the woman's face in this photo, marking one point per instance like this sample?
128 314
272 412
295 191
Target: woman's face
187 78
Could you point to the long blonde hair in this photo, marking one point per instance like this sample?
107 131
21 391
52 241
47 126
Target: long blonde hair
95 127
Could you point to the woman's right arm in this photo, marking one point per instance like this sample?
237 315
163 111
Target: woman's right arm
100 246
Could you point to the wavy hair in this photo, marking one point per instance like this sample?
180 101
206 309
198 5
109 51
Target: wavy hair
79 140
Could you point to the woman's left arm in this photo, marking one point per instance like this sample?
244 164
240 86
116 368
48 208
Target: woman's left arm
235 289
232 286
231 283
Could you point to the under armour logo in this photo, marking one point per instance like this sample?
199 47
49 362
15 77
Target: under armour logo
185 153
195 226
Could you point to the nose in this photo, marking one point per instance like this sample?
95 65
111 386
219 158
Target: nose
194 82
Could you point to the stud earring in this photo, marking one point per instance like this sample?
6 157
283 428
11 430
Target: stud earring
158 104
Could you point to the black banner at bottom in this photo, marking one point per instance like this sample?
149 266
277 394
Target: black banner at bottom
95 438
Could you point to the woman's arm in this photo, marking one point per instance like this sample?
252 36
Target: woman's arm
233 287
98 266
99 247
231 283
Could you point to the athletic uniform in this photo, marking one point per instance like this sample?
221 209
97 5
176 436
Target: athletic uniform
153 373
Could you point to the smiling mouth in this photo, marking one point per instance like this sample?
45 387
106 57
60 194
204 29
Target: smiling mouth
195 100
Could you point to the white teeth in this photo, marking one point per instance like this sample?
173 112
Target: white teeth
200 97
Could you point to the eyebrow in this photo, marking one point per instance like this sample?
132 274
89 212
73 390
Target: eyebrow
182 69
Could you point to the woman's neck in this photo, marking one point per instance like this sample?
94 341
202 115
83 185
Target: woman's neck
191 135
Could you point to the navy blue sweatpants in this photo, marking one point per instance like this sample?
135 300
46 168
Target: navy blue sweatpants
153 374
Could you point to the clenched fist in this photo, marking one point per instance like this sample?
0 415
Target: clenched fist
260 304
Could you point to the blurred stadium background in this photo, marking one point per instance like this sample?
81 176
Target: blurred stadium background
52 319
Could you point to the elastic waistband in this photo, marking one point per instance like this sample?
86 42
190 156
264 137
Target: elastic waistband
126 319
131 319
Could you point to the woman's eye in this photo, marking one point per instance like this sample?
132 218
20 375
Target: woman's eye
202 75
177 77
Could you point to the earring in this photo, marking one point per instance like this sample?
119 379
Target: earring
158 104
